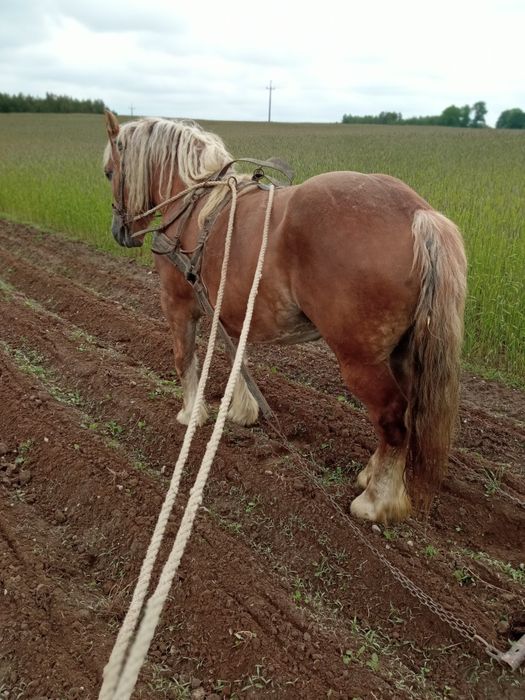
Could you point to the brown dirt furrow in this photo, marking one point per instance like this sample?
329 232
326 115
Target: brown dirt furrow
276 596
89 491
146 340
128 282
121 279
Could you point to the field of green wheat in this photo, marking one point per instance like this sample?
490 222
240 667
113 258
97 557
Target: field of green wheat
51 176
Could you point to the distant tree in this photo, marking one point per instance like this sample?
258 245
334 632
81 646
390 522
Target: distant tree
49 103
478 120
511 119
450 116
390 118
464 118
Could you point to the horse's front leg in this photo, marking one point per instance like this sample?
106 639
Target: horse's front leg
187 366
244 409
182 315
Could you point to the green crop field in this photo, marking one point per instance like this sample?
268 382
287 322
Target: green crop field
51 176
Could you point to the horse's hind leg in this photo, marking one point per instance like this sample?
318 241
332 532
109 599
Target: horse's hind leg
400 371
385 498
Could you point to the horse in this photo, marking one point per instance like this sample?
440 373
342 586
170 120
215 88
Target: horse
360 260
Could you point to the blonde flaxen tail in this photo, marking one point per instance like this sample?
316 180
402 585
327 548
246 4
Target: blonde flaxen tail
435 350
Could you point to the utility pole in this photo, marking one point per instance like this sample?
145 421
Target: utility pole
131 110
270 90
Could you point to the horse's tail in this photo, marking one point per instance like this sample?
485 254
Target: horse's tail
434 350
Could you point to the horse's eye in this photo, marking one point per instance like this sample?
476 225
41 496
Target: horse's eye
108 174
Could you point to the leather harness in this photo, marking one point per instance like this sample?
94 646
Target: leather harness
189 262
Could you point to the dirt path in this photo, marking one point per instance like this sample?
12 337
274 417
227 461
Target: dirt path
276 597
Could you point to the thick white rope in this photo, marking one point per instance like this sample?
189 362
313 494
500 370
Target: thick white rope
153 609
113 668
156 602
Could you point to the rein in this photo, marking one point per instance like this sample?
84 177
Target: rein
213 181
189 262
137 630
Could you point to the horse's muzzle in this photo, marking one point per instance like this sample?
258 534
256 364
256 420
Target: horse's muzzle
122 234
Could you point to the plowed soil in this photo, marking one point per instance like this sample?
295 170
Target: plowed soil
276 595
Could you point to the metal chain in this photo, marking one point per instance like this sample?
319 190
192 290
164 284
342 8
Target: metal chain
464 629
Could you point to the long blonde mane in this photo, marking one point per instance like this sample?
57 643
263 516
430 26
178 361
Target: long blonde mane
168 147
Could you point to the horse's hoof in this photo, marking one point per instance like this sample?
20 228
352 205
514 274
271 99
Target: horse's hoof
243 420
363 478
380 510
244 412
184 415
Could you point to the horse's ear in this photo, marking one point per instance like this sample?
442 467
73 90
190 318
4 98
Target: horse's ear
112 124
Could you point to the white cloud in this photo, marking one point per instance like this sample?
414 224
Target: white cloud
213 60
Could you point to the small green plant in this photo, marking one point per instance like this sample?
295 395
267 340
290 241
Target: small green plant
113 428
333 476
23 451
493 481
30 362
516 574
7 290
464 577
430 551
347 657
323 570
234 527
71 397
373 662
298 590
252 505
257 680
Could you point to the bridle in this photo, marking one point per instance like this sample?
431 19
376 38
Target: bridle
192 194
118 207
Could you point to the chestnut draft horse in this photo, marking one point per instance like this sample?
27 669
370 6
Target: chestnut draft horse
360 260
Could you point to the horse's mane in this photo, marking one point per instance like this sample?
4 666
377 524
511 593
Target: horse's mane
170 147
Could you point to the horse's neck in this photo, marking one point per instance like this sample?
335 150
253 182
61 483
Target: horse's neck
159 192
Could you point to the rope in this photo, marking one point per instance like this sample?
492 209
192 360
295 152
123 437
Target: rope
179 195
114 665
119 681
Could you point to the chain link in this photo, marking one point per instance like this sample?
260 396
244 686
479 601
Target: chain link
464 629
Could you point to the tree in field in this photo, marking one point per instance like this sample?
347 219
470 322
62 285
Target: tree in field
49 103
511 119
480 110
451 116
464 117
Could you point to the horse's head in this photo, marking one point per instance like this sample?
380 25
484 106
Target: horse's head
125 222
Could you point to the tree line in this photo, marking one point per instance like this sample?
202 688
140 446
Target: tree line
49 103
466 117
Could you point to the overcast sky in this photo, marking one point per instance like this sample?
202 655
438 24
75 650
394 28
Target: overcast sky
213 59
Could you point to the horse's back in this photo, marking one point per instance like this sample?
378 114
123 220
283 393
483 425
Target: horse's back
349 242
360 195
